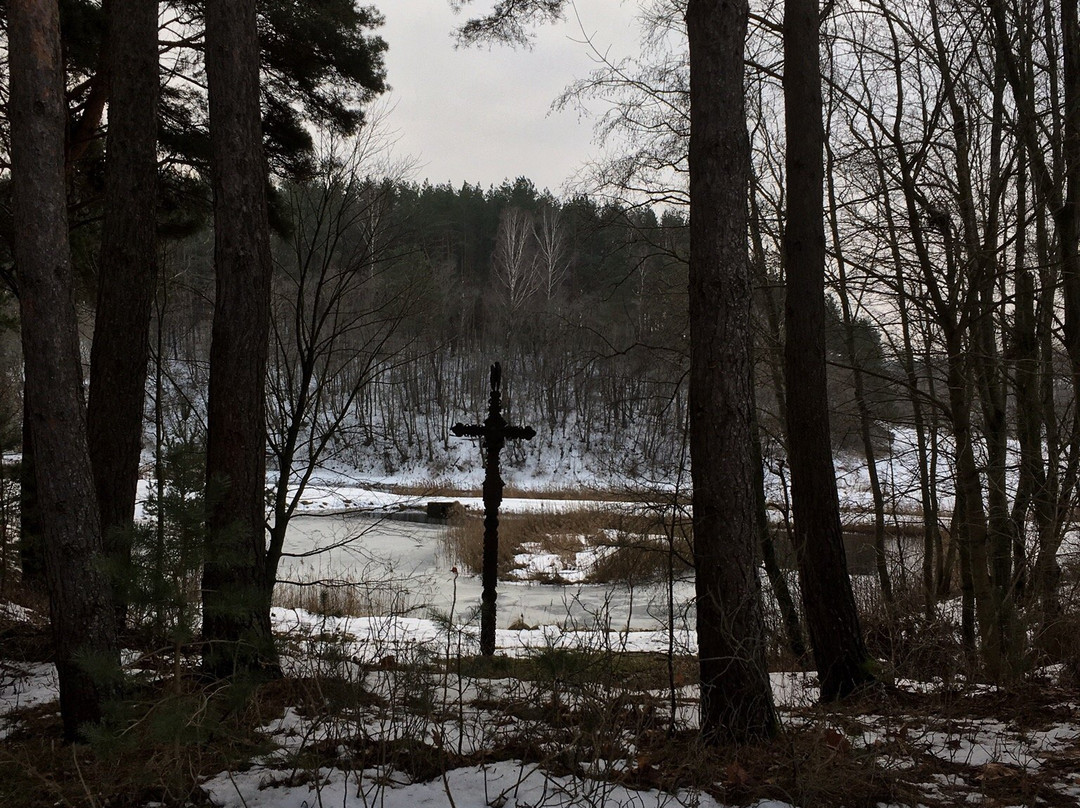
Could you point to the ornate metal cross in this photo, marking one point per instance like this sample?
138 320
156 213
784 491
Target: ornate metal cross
493 433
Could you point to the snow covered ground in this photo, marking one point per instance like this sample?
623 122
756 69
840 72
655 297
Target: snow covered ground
447 739
24 685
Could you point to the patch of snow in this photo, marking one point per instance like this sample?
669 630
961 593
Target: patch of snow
535 563
20 614
22 685
506 784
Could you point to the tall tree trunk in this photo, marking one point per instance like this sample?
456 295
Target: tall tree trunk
789 615
236 592
31 534
80 602
774 341
118 358
1024 355
863 407
1046 574
928 502
735 692
973 255
839 652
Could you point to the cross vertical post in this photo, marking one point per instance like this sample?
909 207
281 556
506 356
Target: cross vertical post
493 434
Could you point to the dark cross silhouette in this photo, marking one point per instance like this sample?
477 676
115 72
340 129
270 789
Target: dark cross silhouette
493 433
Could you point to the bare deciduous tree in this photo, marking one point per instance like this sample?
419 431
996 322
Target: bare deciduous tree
514 261
835 634
552 251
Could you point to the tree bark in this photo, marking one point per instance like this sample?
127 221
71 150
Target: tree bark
118 358
31 534
735 692
80 603
236 594
841 657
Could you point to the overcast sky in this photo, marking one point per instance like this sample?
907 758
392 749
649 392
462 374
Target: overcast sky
483 114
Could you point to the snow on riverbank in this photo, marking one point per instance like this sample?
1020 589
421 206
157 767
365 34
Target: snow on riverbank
367 640
340 496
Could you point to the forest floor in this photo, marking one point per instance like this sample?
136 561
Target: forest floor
399 712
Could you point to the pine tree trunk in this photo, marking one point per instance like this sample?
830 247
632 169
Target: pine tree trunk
118 359
31 533
80 602
841 657
735 691
236 592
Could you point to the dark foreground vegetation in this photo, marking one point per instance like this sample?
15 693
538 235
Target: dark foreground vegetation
384 715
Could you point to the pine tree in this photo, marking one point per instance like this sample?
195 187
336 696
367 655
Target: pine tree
236 606
79 597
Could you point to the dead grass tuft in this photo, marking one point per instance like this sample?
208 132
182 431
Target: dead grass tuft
330 598
632 546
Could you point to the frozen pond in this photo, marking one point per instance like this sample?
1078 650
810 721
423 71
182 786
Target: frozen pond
400 567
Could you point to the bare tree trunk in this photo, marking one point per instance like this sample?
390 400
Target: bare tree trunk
773 357
236 594
118 359
31 533
928 502
855 361
988 534
841 657
774 349
789 614
970 521
1024 356
1056 189
735 691
80 601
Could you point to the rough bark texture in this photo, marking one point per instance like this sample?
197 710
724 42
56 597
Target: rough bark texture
236 592
128 272
839 652
31 534
79 596
735 692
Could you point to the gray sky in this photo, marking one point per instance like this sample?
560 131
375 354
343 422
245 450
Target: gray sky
482 114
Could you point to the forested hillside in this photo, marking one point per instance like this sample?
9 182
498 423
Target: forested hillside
391 299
